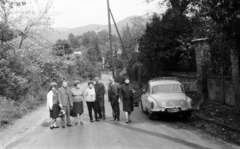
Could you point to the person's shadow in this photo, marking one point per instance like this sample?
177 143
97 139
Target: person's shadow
46 124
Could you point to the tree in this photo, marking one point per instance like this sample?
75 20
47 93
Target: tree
98 52
94 54
6 8
226 14
89 37
166 41
30 19
6 34
130 35
74 41
128 41
103 37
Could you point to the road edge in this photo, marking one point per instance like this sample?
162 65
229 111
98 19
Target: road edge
23 126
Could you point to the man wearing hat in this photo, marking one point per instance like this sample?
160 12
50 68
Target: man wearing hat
66 103
100 91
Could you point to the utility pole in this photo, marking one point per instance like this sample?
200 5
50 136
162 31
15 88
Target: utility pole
119 34
110 37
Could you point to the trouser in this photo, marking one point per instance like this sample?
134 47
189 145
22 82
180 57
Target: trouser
115 109
66 115
92 106
100 106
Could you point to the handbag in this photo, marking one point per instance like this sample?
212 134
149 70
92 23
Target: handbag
72 113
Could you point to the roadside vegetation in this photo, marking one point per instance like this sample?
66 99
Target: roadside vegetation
27 62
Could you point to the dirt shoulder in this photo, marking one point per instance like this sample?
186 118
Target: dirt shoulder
22 126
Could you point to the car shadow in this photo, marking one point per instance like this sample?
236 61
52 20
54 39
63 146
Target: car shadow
173 139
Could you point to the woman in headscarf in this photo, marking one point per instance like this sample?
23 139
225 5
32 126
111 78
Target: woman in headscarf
78 100
126 93
53 104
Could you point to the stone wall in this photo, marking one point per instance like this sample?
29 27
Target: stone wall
188 80
216 93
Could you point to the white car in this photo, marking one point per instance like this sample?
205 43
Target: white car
165 95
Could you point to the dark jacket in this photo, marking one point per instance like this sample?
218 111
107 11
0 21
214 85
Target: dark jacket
126 91
99 89
113 91
65 96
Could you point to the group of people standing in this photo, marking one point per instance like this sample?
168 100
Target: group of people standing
65 101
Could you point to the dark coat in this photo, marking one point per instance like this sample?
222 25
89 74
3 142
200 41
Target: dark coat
127 97
113 91
99 89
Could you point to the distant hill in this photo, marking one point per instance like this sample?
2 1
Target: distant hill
62 33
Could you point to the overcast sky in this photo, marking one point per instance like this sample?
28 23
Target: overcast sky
75 13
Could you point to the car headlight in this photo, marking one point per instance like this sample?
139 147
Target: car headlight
189 100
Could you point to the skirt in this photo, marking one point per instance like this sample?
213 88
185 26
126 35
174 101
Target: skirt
78 107
54 113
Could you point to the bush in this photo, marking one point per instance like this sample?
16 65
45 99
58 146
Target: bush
25 76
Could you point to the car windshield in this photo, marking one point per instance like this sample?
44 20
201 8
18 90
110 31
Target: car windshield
171 88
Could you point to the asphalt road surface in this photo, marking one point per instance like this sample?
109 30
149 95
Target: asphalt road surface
141 133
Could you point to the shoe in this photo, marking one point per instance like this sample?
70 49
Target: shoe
69 125
127 121
76 123
55 126
113 119
100 117
97 120
118 119
104 117
63 126
91 121
81 123
51 127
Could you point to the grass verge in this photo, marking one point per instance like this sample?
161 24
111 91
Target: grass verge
11 110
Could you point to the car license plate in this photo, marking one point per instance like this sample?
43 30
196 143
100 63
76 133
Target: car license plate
172 110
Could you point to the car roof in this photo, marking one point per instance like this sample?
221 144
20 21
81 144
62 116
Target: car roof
163 82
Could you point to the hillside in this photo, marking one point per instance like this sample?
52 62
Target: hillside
62 33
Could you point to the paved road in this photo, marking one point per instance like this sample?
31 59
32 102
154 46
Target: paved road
141 133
